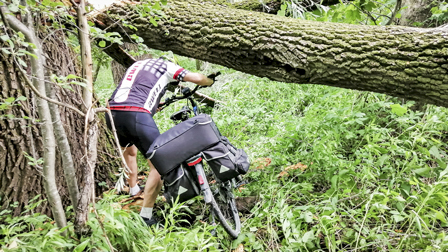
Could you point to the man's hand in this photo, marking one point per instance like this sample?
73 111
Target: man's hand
213 76
160 106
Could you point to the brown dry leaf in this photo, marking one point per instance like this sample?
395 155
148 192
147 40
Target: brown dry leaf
139 196
261 163
240 248
282 174
240 188
137 204
300 166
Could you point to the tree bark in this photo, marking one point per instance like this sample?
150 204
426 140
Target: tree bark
399 61
19 181
416 11
48 138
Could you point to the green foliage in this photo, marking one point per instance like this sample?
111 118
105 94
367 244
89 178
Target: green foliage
7 104
375 175
352 12
439 13
374 164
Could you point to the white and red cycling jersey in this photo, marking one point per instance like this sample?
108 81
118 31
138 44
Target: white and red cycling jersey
144 84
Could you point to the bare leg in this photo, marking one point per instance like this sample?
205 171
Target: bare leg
130 156
153 186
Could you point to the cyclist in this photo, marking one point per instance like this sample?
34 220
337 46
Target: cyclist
133 104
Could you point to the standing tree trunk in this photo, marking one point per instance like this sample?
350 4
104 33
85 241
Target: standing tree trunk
416 12
19 181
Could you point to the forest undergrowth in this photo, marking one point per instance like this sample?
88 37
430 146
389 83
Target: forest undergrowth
332 170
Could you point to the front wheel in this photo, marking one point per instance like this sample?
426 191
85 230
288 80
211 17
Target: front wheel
224 207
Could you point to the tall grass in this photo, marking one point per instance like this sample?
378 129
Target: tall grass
372 177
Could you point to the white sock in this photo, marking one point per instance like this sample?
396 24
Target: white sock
134 190
146 212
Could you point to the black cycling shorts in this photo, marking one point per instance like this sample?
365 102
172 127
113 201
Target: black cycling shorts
134 128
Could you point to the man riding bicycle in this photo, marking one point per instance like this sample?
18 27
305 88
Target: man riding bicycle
133 104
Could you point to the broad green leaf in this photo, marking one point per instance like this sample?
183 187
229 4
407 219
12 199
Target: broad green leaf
440 216
398 109
423 171
308 236
418 224
382 159
30 54
21 98
72 76
102 43
397 218
435 152
13 7
153 21
369 6
82 246
4 37
307 216
334 181
6 51
21 62
10 100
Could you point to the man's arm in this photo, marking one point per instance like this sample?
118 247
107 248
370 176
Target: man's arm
198 78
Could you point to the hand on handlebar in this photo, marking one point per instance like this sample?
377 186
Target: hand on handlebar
213 76
160 106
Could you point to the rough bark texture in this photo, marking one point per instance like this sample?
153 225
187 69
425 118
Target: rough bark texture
119 69
416 11
399 61
19 181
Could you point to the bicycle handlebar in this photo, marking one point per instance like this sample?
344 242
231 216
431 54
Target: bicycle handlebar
186 93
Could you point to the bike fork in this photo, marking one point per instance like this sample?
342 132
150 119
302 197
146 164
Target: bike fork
205 188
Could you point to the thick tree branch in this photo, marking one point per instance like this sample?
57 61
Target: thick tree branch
399 61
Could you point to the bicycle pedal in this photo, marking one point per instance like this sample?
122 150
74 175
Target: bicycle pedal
241 183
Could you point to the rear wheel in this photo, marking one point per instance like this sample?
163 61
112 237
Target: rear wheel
224 208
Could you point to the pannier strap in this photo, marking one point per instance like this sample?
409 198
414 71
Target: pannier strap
152 154
205 122
205 157
183 173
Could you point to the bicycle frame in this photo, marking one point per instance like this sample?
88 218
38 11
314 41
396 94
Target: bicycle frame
223 189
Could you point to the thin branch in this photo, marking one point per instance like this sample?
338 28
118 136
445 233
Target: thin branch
30 84
394 13
114 131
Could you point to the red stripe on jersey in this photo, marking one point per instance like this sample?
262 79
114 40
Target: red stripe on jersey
129 108
177 73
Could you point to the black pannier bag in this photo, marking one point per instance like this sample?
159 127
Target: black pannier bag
226 160
178 183
183 141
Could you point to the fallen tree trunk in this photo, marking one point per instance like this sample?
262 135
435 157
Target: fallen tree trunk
404 62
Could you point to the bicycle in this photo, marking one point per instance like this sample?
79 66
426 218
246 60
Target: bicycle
219 194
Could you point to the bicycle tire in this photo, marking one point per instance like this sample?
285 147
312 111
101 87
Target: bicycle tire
225 209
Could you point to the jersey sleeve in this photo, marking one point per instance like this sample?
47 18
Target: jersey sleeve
175 72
